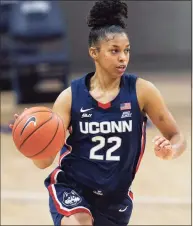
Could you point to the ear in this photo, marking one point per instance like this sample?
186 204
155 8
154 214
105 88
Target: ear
93 51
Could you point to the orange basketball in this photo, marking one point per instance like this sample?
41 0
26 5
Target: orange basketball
38 133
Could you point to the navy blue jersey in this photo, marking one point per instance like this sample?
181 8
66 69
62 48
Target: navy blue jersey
107 140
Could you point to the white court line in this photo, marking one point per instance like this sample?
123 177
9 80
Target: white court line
38 196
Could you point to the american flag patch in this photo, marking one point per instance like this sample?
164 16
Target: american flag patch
125 106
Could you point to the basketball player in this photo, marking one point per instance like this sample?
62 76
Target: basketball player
105 112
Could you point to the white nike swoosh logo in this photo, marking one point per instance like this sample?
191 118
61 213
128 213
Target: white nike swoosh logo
31 119
123 210
85 110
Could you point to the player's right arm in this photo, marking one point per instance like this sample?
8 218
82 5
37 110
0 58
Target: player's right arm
62 107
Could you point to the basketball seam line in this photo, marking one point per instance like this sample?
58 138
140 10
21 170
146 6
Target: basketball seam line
48 143
23 118
36 130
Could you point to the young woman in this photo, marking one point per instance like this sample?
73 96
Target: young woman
105 113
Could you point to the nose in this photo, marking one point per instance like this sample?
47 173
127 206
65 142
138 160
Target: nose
123 57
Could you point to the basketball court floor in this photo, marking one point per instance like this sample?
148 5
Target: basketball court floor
162 189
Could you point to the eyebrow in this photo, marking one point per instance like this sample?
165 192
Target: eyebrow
118 46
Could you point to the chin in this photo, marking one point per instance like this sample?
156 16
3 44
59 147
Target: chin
118 75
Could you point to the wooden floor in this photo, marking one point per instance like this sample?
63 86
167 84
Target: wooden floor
162 189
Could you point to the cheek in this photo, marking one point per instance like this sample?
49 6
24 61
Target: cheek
107 61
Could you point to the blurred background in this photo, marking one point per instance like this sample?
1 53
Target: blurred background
44 45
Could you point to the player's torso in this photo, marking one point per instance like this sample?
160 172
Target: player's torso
105 139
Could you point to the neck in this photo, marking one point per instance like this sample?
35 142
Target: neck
104 81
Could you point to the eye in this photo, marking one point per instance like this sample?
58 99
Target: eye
127 50
114 51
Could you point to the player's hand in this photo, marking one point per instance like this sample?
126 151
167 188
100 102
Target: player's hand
15 117
163 148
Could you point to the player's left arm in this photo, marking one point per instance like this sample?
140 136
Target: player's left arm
172 144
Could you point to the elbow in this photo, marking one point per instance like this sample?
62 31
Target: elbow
44 163
42 166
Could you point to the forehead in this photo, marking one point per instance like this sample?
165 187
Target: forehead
119 39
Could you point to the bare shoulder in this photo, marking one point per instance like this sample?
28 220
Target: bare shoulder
145 85
62 106
67 93
145 89
65 97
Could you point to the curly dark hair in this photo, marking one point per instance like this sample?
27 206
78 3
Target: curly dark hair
106 16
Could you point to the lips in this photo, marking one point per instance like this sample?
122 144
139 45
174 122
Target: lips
121 68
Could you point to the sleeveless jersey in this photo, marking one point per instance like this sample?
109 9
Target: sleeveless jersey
106 141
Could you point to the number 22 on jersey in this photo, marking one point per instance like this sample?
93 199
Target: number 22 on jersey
102 142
